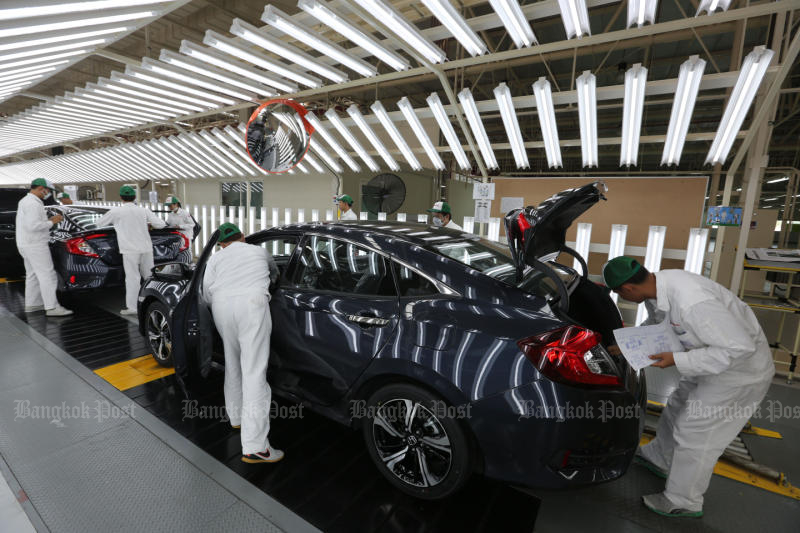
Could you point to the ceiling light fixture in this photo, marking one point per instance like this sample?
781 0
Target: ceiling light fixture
635 80
641 11
401 144
344 132
78 23
689 77
518 27
502 95
411 117
476 125
575 17
586 86
198 67
547 121
367 131
456 25
435 104
333 143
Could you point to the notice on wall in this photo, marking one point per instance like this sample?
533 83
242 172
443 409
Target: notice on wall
483 191
638 344
153 196
483 210
509 203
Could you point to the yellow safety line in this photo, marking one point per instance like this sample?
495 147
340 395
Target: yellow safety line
134 372
7 280
736 473
761 432
765 267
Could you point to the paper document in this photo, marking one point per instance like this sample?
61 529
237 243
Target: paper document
638 344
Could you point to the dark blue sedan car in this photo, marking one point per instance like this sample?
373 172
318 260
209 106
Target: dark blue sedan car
452 354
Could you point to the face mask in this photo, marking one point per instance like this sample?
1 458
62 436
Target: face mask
47 195
437 222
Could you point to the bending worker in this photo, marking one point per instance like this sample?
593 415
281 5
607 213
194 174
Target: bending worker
443 216
346 207
179 217
236 286
726 368
133 238
33 242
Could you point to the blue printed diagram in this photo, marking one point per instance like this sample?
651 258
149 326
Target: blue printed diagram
638 344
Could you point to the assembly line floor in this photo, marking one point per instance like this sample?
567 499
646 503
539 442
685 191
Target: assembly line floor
131 470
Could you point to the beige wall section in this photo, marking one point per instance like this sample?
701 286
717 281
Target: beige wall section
676 203
419 189
459 196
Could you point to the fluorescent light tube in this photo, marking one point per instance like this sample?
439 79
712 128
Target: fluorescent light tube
233 48
163 69
150 88
319 150
641 11
79 23
616 247
583 239
394 133
35 68
413 121
64 37
503 96
358 118
476 125
778 180
109 91
575 17
35 60
152 77
635 80
689 77
215 58
266 41
547 121
50 49
333 143
324 14
281 21
652 259
313 162
409 33
71 7
198 67
446 126
344 132
696 250
586 86
456 25
750 76
710 6
517 26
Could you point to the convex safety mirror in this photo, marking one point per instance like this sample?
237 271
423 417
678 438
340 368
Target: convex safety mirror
278 135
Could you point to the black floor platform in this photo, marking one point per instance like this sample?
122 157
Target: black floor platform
327 477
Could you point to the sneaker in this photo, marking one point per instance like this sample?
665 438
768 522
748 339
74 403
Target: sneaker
58 311
270 455
640 459
127 311
660 504
236 427
33 308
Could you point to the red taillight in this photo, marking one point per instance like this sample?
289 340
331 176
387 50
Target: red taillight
564 355
184 240
79 246
72 279
523 224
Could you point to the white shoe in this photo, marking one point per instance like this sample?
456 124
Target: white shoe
58 311
33 308
660 504
270 455
127 311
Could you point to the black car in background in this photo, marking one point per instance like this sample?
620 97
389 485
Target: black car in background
452 354
84 256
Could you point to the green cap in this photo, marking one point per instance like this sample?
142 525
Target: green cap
41 182
62 195
619 270
440 207
346 198
228 230
171 200
127 190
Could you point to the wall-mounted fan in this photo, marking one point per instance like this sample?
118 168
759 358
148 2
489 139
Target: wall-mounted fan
384 193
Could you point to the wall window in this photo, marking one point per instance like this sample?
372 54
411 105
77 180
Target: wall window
234 193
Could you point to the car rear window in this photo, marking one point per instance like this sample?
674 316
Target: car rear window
85 219
489 260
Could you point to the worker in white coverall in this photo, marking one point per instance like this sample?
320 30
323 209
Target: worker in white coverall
443 216
64 198
726 368
133 239
33 242
179 218
346 207
236 286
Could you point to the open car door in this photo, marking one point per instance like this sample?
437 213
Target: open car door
193 327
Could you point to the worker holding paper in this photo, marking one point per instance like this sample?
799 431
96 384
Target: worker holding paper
725 365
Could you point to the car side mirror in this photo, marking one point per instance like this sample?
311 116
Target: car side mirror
173 271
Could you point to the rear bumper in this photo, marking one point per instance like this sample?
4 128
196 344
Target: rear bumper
77 280
552 436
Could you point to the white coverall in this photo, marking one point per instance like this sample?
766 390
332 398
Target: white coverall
453 225
133 238
33 243
236 285
348 215
182 220
726 369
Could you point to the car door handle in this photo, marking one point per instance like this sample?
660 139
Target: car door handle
367 321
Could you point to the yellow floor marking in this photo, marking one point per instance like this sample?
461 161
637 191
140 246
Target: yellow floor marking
737 473
8 280
129 374
761 432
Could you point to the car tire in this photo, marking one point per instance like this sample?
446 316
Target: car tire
159 333
429 459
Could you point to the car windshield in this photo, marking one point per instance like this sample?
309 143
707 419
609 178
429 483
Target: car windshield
85 219
495 261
